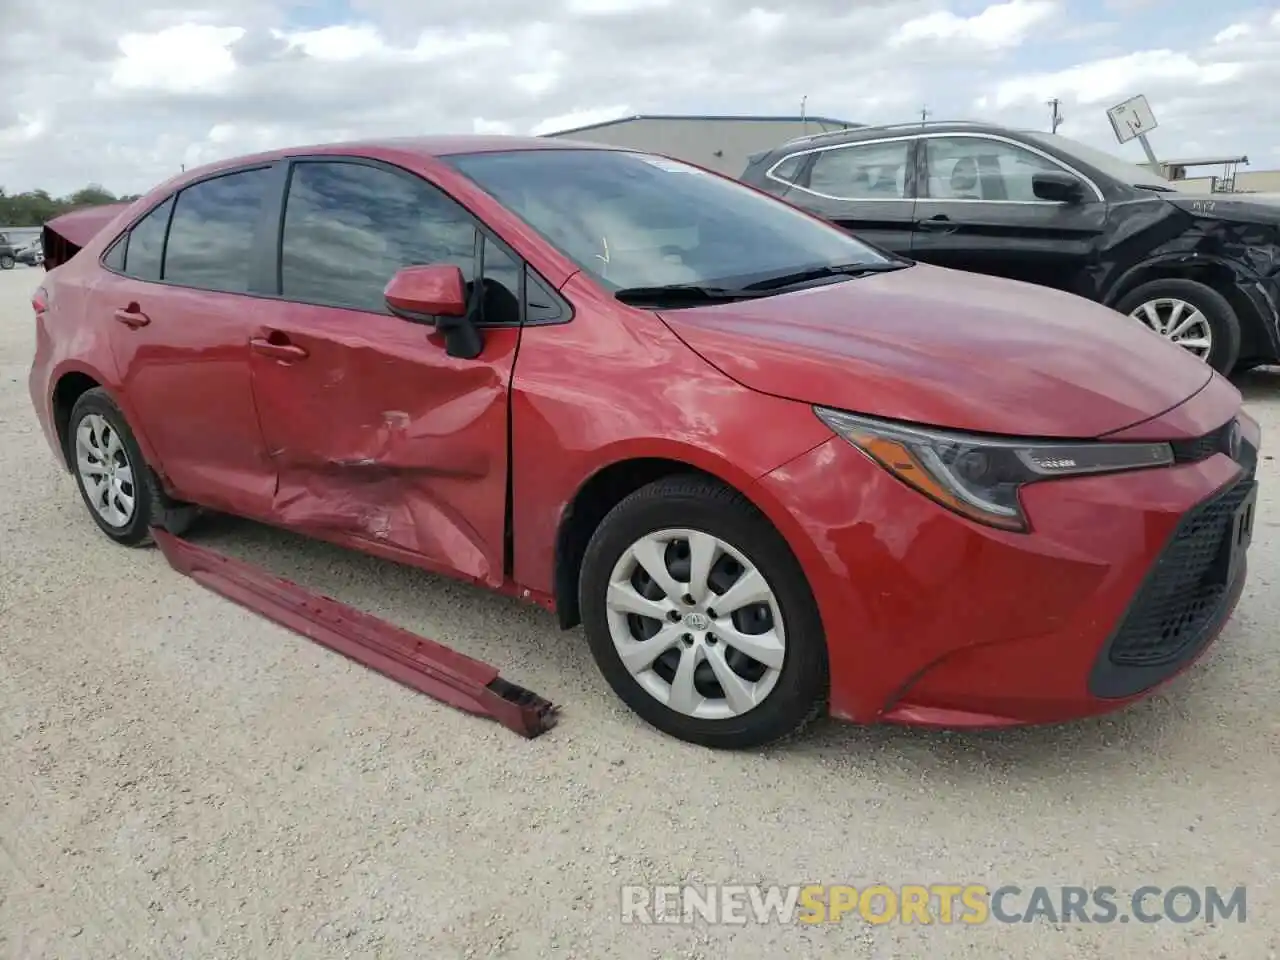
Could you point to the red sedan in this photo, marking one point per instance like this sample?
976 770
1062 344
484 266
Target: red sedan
772 470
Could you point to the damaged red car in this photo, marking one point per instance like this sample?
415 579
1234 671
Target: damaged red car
772 470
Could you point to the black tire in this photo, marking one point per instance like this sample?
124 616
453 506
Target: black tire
1223 322
151 504
696 503
6 261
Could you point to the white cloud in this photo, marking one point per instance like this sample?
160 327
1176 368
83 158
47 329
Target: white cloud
125 91
1000 25
177 59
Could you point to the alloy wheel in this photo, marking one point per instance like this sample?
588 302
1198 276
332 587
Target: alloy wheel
1179 322
105 470
696 624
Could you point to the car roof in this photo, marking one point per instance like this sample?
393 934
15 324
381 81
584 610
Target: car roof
391 149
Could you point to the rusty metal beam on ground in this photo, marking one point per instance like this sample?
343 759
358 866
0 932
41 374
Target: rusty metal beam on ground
424 665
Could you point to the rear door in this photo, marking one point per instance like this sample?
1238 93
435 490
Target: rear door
376 433
176 288
867 188
977 211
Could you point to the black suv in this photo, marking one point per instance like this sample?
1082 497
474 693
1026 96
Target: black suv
1203 271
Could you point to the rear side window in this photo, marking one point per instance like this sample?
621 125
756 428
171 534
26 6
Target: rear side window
211 238
145 243
348 227
788 169
873 171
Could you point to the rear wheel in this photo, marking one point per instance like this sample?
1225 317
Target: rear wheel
1189 314
6 261
117 485
700 618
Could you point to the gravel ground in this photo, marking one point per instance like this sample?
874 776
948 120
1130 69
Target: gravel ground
180 778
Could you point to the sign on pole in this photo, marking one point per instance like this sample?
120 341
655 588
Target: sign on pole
1133 120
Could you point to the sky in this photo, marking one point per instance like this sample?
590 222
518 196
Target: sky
123 93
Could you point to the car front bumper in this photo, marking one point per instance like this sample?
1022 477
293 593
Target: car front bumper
934 620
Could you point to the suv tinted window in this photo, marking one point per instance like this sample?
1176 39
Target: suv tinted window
873 171
145 244
788 169
211 236
975 168
348 227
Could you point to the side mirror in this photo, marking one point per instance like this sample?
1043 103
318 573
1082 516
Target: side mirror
1057 187
435 294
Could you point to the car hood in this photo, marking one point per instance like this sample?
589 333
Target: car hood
950 349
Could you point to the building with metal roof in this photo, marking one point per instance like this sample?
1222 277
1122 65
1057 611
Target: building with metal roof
719 142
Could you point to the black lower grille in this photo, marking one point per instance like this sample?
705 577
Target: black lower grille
1184 592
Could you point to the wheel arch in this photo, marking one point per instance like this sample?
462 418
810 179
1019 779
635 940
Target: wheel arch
73 381
607 486
1221 275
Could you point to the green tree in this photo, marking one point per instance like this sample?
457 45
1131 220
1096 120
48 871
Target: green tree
35 208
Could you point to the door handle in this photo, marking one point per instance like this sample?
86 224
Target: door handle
277 351
132 317
939 224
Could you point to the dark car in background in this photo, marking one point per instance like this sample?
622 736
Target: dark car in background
8 256
1202 271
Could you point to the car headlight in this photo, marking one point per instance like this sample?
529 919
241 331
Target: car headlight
978 476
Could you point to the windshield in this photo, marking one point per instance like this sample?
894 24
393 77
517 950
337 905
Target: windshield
1111 165
635 220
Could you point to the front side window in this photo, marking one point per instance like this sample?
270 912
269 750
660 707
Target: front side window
349 227
635 220
975 168
144 247
872 171
211 237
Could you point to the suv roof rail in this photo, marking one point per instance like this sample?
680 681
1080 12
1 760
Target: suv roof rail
907 125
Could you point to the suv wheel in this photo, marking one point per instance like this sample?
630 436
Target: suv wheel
6 261
701 619
1193 316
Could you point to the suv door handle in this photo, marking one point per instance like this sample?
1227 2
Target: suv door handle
285 351
132 317
939 224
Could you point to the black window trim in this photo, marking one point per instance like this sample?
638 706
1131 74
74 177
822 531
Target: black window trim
172 200
268 238
273 236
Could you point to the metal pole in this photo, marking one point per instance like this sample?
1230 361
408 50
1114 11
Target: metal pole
1056 118
1146 148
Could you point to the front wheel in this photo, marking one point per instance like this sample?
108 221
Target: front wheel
1189 314
700 618
6 261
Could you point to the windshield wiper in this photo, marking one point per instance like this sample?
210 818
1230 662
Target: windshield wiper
681 293
821 273
1154 189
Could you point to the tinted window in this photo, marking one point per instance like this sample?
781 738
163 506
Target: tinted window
114 260
349 227
501 285
146 244
874 171
630 219
788 169
211 237
974 168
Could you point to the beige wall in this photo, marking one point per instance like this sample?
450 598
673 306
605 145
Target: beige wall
720 145
1264 181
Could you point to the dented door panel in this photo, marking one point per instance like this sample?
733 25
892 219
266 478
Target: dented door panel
376 433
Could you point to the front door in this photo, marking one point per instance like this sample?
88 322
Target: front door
865 188
175 286
977 211
376 434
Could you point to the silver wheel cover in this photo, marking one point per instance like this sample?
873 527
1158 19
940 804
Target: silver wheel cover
105 471
696 624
